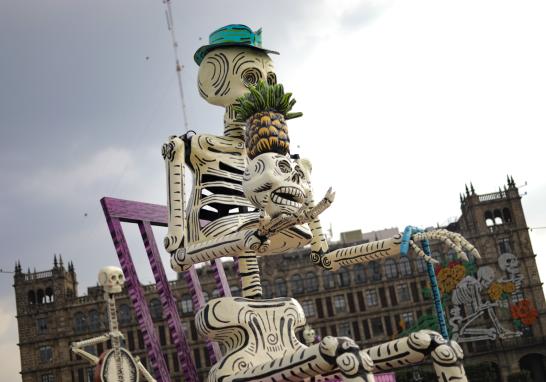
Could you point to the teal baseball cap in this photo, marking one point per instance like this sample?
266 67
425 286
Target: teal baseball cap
232 35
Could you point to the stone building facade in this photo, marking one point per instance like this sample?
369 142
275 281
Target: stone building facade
371 303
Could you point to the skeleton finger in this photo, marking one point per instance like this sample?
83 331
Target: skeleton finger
419 252
465 244
437 235
322 205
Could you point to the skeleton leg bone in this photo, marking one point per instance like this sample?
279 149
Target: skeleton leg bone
446 355
331 353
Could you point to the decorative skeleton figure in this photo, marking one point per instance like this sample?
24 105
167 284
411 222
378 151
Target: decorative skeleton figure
116 364
259 335
509 264
467 296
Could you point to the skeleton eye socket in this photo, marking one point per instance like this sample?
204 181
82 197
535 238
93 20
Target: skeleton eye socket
113 277
285 167
251 76
271 78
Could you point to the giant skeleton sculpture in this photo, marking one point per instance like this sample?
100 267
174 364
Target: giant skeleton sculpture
116 364
244 206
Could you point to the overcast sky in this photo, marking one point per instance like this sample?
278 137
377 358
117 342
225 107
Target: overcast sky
404 102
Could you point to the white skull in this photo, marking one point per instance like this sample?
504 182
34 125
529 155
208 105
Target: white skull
276 183
111 279
309 335
509 263
226 73
486 275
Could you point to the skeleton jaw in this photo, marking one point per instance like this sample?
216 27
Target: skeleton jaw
289 197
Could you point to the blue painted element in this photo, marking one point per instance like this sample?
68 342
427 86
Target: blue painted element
406 237
232 35
409 231
436 293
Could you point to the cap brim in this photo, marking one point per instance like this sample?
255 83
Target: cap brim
202 52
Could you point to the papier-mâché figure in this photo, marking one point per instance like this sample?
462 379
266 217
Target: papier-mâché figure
256 198
116 364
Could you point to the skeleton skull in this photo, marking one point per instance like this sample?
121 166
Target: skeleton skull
276 183
309 335
226 73
111 279
509 263
486 275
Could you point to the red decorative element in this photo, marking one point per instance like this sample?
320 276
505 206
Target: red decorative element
524 311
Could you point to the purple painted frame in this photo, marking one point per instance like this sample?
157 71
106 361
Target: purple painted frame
145 215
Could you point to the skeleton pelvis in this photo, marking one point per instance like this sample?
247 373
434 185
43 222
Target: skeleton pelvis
252 331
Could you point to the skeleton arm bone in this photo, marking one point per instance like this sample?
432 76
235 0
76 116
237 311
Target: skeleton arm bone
145 373
230 245
173 153
77 347
377 250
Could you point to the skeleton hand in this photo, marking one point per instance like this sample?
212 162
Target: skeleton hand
117 334
454 240
269 226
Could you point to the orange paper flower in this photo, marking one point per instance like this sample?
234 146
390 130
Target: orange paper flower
524 311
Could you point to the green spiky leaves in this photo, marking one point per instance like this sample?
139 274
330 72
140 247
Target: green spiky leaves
263 97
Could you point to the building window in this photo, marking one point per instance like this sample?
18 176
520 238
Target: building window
371 297
186 305
340 305
297 284
407 318
344 330
49 297
377 326
206 296
344 277
31 297
48 378
311 282
390 269
328 280
360 273
215 293
421 264
405 267
280 288
41 325
124 314
266 289
376 270
308 308
80 322
46 354
403 293
94 320
156 310
504 246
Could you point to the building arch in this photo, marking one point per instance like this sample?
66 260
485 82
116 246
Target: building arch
497 217
488 217
40 296
507 215
49 297
31 297
534 363
311 282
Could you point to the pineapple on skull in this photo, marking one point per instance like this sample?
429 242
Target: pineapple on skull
273 181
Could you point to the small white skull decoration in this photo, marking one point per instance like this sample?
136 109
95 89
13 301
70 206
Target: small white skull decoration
509 263
276 183
309 335
111 279
486 275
